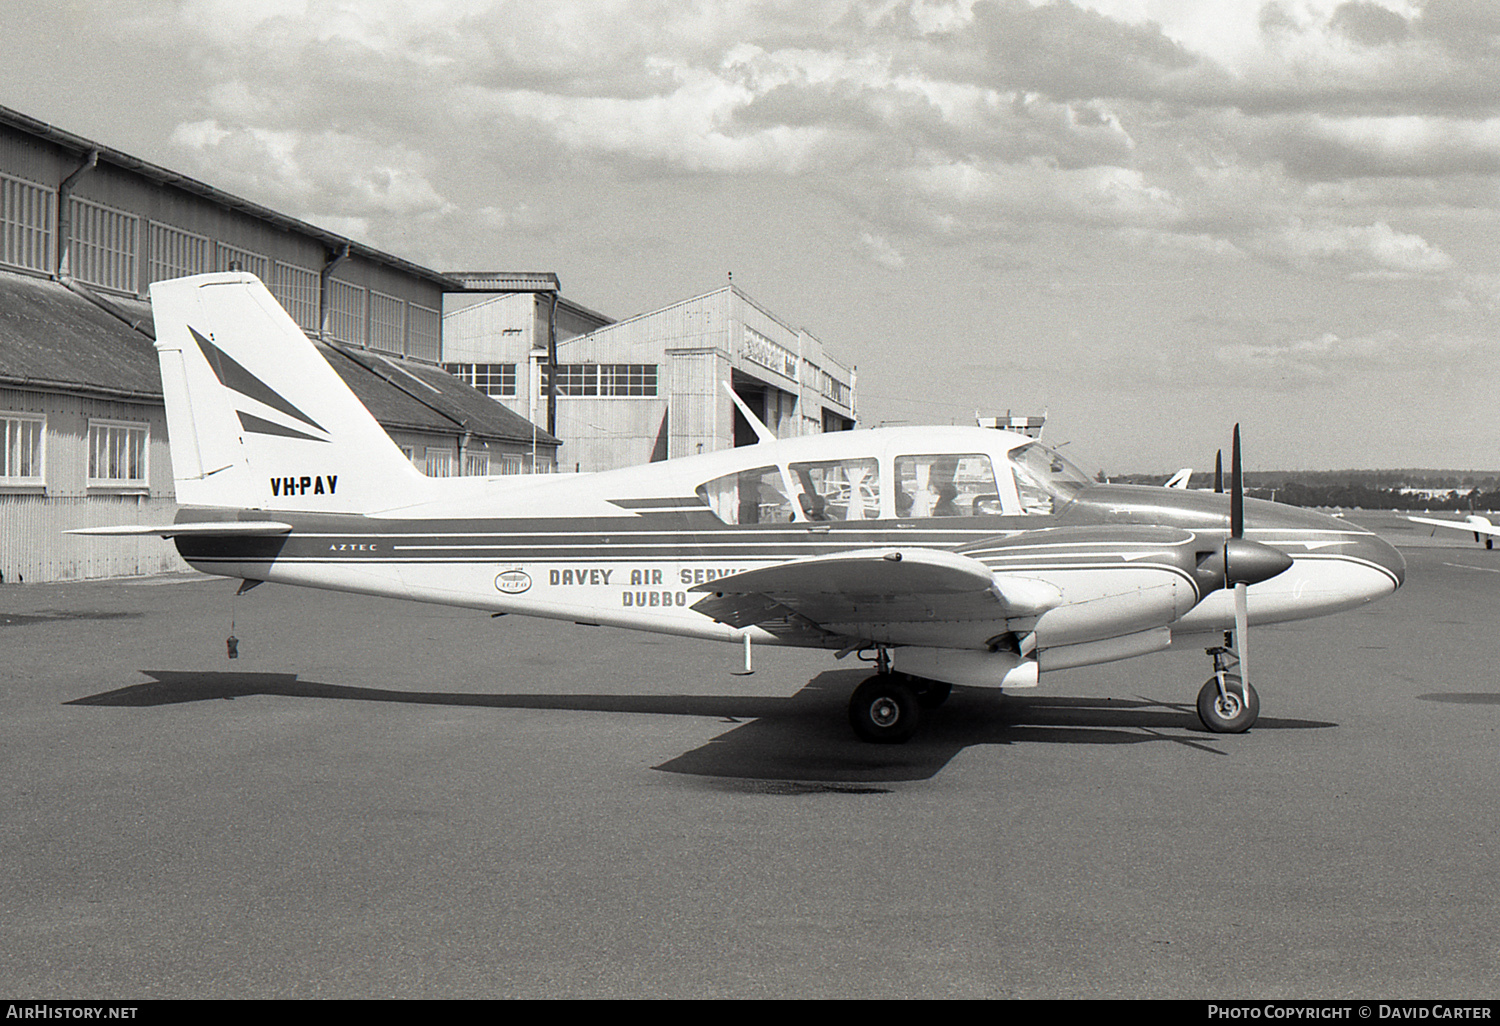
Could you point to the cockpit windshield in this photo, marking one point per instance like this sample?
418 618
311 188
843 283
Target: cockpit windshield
1044 480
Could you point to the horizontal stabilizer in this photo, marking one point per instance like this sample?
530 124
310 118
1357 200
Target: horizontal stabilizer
217 529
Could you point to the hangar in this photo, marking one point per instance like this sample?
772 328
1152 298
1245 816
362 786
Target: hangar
649 387
84 230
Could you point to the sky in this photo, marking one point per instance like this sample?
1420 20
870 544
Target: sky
1148 219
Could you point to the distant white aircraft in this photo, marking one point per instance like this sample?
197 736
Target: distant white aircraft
1479 525
941 555
1179 479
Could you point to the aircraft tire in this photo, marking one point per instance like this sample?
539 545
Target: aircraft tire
1227 715
884 710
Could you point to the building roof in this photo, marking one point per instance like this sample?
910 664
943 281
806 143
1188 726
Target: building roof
508 281
53 339
504 284
58 338
420 397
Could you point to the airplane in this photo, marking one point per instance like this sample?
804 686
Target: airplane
941 556
1480 525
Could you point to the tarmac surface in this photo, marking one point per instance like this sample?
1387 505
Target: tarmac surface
380 799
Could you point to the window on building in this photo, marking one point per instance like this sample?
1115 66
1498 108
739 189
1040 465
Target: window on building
489 378
946 485
21 455
176 253
606 379
117 453
103 246
439 463
25 224
230 258
296 289
387 323
423 330
476 464
346 312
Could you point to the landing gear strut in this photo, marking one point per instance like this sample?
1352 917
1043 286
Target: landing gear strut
1227 704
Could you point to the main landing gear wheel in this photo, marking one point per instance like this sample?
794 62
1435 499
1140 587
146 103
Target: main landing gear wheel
884 710
1228 713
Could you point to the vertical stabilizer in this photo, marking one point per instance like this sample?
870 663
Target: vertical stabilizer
256 417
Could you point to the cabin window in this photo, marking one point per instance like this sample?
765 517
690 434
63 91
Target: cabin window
749 497
838 489
946 485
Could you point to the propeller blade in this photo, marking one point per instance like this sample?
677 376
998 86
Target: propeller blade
1242 637
1219 472
1236 490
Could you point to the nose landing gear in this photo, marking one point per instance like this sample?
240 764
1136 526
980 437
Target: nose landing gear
1227 704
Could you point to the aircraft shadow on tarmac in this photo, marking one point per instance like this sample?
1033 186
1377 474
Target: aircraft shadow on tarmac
805 737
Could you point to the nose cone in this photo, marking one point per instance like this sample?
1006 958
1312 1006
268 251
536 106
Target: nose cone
1251 562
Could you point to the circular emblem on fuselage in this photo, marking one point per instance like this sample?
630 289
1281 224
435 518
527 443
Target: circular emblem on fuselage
513 582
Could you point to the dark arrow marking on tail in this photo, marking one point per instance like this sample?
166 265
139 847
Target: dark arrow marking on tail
237 379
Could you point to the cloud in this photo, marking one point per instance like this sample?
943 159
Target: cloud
1360 251
1112 196
880 250
1306 361
329 173
1323 148
1297 132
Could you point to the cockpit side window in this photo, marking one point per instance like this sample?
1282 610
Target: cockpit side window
748 497
838 489
946 485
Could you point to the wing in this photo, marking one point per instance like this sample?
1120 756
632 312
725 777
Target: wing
208 530
869 586
1459 525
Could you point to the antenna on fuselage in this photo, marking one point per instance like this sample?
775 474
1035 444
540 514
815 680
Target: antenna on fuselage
761 431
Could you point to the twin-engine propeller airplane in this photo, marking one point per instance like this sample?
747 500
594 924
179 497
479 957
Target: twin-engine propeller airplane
1483 529
943 555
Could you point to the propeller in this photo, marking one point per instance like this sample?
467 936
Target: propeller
1246 562
1235 565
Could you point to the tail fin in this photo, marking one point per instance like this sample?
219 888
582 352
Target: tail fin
256 416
